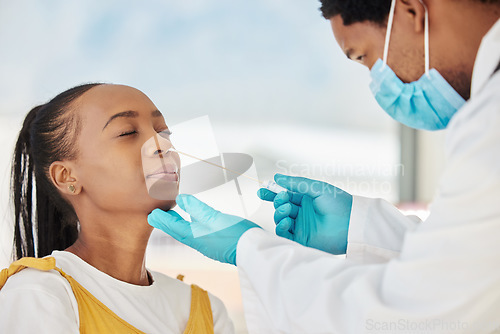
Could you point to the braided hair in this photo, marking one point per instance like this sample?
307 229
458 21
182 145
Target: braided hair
44 220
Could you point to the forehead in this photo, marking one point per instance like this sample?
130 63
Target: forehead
356 35
105 100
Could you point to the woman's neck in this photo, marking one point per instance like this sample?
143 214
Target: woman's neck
117 248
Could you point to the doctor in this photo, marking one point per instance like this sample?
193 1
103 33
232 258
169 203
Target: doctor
441 275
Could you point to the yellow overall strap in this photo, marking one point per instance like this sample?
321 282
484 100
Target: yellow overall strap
201 318
95 317
44 264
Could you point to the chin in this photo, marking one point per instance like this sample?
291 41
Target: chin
162 194
166 205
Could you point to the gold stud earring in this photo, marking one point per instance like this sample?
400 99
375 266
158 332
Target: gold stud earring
72 188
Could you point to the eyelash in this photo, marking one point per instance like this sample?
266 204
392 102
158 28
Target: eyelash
130 133
360 58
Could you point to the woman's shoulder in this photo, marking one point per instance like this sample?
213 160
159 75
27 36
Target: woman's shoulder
30 279
45 294
38 287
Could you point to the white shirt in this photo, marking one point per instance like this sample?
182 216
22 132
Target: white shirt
437 276
34 301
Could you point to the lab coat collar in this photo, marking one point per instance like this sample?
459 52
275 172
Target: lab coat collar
487 58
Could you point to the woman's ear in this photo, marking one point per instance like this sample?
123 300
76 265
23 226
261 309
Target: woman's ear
63 178
414 10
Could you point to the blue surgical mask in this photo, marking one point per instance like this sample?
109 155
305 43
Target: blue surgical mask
426 104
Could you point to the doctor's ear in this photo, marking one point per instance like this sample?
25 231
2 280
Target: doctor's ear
62 176
415 11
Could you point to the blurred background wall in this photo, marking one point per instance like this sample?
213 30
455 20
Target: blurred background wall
268 73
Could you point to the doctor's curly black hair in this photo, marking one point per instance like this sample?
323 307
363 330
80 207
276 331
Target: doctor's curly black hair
376 11
353 11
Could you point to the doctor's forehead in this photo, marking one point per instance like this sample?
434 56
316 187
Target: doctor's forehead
359 37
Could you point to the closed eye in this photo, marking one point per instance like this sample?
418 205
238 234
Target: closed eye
129 133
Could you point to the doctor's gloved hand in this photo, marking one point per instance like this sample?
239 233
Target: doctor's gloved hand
312 213
211 232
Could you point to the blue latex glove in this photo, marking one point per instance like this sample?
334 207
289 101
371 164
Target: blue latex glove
210 232
312 213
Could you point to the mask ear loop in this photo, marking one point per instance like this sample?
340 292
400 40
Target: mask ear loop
426 39
388 32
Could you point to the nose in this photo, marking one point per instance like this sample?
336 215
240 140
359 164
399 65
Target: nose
163 145
157 146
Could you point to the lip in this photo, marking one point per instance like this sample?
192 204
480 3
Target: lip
174 177
166 172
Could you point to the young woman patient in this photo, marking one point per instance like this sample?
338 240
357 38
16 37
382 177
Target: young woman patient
81 203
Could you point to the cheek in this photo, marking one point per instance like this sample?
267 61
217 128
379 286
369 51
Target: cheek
107 177
407 61
406 53
109 169
375 49
376 54
115 181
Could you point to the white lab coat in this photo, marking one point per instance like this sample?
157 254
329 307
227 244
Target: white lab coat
437 276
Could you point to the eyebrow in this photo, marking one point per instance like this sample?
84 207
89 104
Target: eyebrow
130 114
